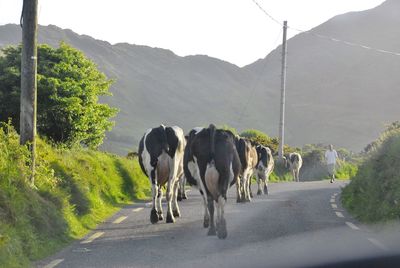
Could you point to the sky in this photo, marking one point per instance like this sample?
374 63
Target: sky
236 31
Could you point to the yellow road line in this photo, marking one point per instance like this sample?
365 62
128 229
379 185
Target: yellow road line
92 237
53 263
339 214
120 219
352 225
137 209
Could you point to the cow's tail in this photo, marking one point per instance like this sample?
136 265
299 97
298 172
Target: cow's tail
212 143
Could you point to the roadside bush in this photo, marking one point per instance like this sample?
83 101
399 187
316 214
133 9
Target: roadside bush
374 192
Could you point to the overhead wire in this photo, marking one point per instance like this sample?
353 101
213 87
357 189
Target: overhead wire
266 13
333 39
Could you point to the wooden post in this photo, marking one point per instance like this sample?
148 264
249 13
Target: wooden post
29 23
283 89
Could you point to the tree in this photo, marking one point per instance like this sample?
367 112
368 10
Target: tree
69 86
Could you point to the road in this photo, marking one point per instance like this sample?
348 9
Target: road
297 224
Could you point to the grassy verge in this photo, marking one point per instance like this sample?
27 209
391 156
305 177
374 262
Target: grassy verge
76 190
374 192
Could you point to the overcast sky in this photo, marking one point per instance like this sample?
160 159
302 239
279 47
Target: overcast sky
233 30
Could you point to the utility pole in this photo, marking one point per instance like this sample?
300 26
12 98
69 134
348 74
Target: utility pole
283 88
29 22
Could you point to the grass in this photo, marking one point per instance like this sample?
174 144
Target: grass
373 194
76 190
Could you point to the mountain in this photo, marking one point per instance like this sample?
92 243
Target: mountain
339 93
336 93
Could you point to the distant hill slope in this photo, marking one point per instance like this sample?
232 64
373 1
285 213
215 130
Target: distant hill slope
338 93
335 93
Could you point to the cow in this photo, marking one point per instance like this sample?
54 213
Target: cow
191 172
248 158
265 166
293 162
161 159
211 160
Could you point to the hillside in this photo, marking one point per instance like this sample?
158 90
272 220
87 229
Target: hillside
153 85
76 189
335 93
338 93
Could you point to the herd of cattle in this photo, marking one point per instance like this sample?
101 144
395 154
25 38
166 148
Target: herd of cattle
212 160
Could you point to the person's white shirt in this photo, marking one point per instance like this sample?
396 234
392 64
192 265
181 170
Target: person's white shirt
331 156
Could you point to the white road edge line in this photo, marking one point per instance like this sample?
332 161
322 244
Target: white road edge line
378 244
333 201
92 237
339 214
137 209
334 206
149 204
54 263
352 225
120 219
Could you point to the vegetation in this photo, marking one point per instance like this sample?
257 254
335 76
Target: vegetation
76 189
69 86
374 193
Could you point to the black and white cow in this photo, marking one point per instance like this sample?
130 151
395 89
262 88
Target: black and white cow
248 159
161 159
265 166
191 172
211 160
294 162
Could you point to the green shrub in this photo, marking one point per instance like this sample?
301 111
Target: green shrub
374 193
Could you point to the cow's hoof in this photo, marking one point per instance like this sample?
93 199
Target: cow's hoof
222 233
179 197
259 192
211 231
160 216
176 213
206 223
153 216
266 190
170 218
184 196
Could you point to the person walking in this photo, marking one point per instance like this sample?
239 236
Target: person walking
330 157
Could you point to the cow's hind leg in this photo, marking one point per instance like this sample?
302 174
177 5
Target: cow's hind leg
170 217
153 213
266 187
238 190
259 185
210 202
159 204
183 192
175 211
250 191
181 188
221 222
206 220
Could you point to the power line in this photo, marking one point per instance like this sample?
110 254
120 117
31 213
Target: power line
266 13
333 39
346 42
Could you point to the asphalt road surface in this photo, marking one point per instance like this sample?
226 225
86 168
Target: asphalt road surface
297 225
